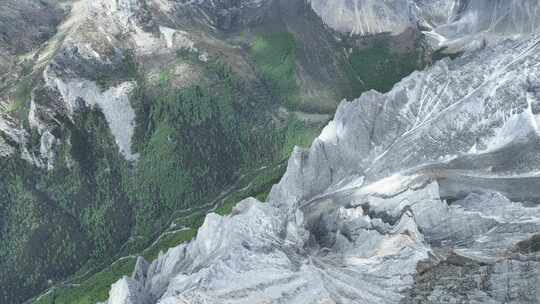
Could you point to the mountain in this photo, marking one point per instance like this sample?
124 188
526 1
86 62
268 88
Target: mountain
424 194
123 122
454 24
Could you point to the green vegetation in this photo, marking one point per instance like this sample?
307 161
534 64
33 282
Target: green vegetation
57 220
257 184
378 67
194 142
298 134
21 97
94 289
275 56
123 72
89 187
169 240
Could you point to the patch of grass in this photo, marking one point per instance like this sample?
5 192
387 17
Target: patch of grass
379 68
275 56
164 78
95 289
168 241
257 186
193 221
298 134
228 205
22 96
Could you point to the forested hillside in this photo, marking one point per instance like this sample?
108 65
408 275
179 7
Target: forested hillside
207 117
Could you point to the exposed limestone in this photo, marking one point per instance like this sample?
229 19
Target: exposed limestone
436 180
454 24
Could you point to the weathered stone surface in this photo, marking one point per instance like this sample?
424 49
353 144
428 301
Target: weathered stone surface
454 24
426 194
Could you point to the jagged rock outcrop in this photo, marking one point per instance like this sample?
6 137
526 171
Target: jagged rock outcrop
364 17
24 25
456 24
375 211
92 120
426 194
91 68
473 23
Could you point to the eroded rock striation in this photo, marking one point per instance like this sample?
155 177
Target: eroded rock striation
454 24
116 92
426 194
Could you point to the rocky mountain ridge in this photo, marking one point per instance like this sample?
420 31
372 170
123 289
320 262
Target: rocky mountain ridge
104 115
454 24
355 216
128 113
426 194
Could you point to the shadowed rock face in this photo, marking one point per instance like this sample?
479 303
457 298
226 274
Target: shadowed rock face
426 194
228 14
25 24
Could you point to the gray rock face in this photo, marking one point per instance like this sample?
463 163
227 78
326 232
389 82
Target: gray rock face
458 24
426 194
86 65
364 17
24 25
476 22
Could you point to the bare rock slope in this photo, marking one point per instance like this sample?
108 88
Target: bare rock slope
426 194
100 97
457 24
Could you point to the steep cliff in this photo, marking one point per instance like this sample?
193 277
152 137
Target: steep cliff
454 24
120 119
123 121
426 194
